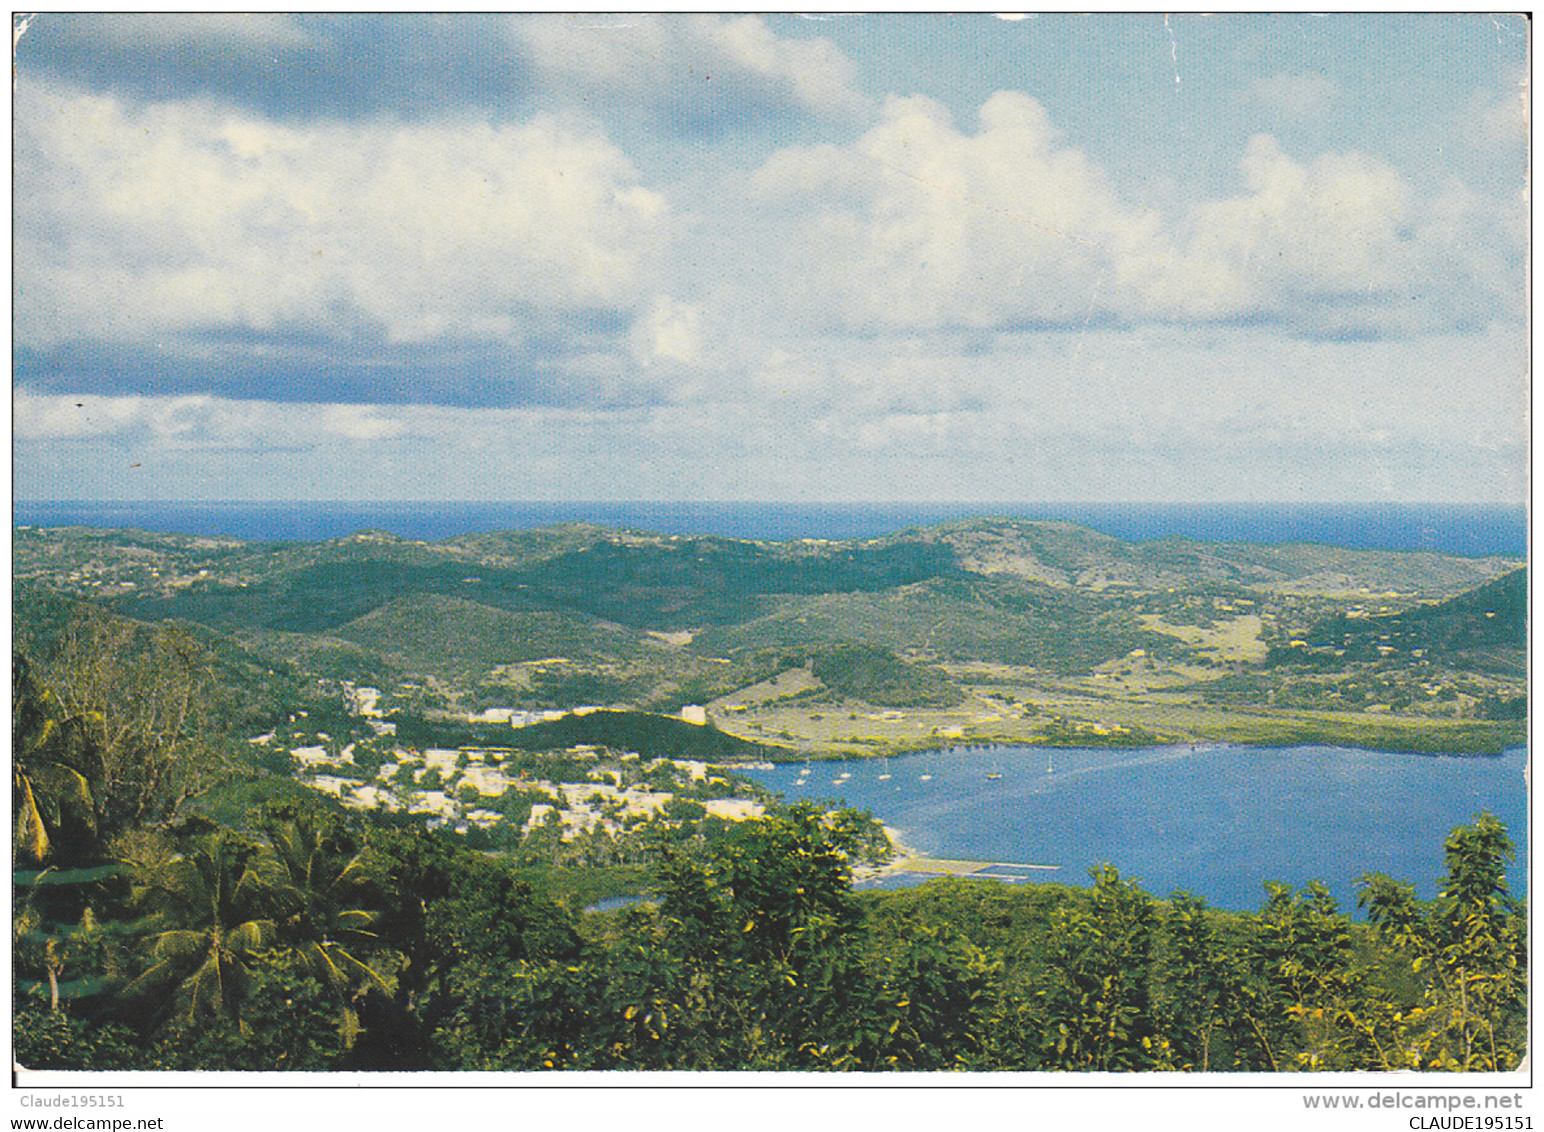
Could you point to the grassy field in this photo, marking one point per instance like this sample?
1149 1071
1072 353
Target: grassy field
1237 639
1025 707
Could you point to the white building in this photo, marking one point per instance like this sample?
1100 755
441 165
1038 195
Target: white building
363 701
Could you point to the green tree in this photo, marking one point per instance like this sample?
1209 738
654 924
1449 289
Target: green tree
1467 952
323 918
926 999
147 697
1097 1006
744 963
57 776
288 1023
66 963
782 873
55 1039
1200 979
1309 999
215 902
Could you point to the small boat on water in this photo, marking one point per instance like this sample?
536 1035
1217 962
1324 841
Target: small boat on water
925 778
993 775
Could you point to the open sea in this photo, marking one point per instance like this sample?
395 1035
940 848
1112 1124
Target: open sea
1473 529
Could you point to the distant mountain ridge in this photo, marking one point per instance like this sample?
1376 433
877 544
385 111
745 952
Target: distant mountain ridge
1064 554
578 614
545 578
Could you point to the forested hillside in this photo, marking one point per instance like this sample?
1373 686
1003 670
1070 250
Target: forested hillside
325 806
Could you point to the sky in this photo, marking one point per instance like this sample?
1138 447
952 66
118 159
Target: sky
807 259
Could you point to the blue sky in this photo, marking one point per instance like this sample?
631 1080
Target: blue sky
830 258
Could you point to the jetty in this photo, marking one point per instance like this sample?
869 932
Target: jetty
986 870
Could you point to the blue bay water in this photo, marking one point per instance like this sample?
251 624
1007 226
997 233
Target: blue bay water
1474 529
1219 821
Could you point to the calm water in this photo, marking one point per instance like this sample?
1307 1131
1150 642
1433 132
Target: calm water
1457 529
1219 821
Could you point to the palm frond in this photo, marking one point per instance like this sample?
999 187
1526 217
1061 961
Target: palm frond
206 989
31 834
355 919
180 943
157 978
252 937
358 969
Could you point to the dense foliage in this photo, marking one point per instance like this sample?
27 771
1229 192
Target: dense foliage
152 931
308 939
877 676
649 734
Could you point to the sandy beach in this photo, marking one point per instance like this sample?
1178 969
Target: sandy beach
909 860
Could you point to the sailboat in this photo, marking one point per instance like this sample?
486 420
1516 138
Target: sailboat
1048 768
885 777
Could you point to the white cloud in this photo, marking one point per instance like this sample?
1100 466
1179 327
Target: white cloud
817 74
39 418
187 31
670 332
1164 412
182 216
1338 228
918 225
360 422
1160 412
1504 124
687 67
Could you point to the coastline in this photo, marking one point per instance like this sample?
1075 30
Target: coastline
1168 834
1474 739
906 860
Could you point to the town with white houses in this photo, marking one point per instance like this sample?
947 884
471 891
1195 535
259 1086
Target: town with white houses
468 788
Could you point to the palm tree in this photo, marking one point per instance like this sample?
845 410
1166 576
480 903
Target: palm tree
218 897
56 775
324 922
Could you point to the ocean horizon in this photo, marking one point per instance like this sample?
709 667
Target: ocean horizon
1451 528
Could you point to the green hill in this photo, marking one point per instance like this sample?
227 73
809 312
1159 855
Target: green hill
61 636
961 617
431 632
1063 554
652 736
654 621
876 676
1486 628
685 583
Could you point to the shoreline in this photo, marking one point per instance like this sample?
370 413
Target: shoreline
905 859
1494 750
